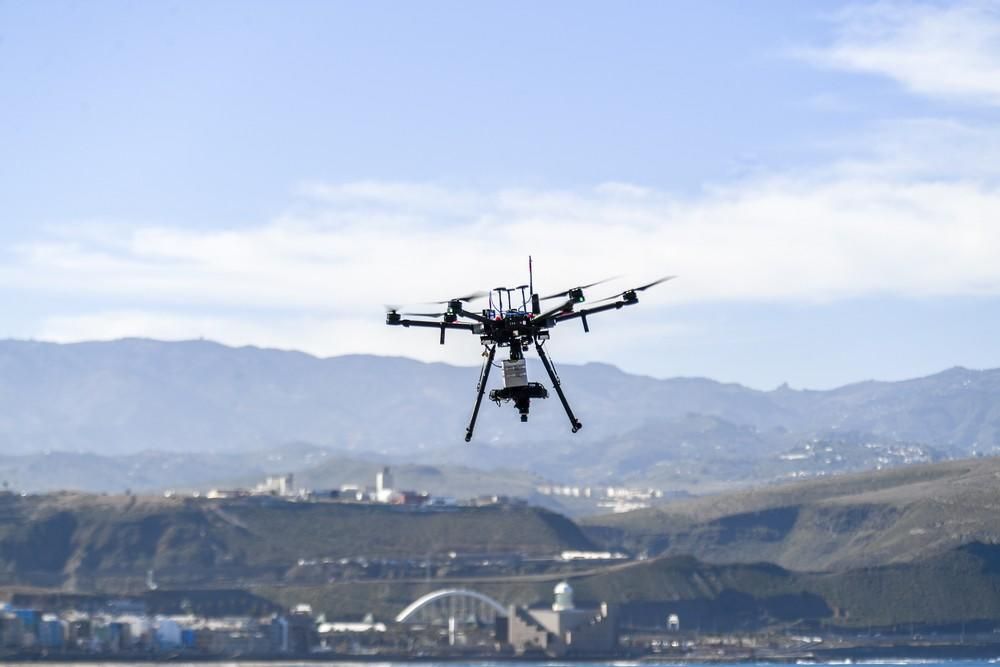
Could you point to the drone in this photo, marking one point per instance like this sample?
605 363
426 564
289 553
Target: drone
517 327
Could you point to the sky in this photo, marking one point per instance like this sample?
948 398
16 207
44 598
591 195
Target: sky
823 178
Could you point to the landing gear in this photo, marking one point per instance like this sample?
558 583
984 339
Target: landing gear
484 375
575 424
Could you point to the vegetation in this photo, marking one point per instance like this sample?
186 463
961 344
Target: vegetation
850 521
917 546
86 542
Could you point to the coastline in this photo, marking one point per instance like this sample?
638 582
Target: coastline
882 653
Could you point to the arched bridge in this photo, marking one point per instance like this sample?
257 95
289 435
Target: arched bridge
452 603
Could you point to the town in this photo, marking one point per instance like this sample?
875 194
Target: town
613 499
448 623
451 622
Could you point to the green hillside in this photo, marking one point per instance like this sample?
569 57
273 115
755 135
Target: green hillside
960 586
83 542
850 521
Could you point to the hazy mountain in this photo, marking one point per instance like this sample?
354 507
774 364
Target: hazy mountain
152 471
124 397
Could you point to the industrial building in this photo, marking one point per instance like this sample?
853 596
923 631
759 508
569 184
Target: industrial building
562 629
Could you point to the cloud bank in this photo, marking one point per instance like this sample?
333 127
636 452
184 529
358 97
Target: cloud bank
950 50
318 275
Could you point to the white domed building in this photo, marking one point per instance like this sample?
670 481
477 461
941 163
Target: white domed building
562 629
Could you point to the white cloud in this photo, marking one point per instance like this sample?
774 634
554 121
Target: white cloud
942 50
916 214
851 231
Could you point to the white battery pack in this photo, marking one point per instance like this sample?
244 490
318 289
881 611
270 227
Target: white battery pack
515 373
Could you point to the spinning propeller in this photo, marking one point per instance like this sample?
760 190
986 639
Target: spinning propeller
577 290
463 299
629 294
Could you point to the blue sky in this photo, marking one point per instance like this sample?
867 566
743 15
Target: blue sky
822 176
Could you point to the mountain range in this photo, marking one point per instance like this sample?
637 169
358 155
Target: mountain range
186 401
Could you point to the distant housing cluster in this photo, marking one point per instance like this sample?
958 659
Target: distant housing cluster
383 492
125 627
615 498
449 622
445 622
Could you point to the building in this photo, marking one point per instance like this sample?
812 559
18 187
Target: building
383 486
168 633
51 632
277 485
11 630
562 629
294 632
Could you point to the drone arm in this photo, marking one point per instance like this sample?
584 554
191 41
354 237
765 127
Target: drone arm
473 316
465 326
483 377
596 309
574 422
552 313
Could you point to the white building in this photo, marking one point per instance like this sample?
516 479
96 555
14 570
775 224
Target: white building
383 486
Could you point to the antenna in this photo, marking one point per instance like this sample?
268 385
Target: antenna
536 306
531 277
500 291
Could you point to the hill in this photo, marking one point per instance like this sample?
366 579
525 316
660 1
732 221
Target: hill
849 521
109 543
916 545
955 588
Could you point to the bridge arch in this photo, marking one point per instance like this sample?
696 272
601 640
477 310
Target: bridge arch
430 599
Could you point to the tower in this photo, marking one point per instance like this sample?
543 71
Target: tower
383 481
563 597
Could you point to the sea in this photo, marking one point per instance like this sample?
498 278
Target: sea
511 663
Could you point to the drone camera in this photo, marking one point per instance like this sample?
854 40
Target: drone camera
521 395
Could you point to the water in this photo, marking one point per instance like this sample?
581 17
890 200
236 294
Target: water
510 663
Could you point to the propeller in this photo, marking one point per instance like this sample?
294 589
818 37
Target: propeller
565 293
424 314
466 298
638 289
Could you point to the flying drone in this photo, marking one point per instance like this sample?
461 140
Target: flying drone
504 325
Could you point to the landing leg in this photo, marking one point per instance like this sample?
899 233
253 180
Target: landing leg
558 387
484 375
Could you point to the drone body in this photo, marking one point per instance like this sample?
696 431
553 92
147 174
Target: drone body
502 325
